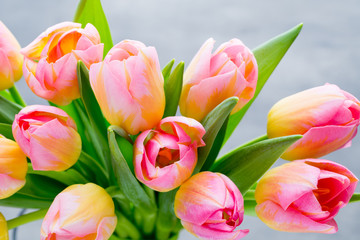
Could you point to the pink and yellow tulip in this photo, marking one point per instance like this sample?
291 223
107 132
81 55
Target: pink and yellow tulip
165 157
304 195
13 167
213 77
128 85
84 212
51 60
48 136
4 235
326 116
11 60
210 206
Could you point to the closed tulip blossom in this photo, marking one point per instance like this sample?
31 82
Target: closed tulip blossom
304 195
13 167
11 59
213 77
51 60
326 116
210 206
128 85
165 157
48 136
80 211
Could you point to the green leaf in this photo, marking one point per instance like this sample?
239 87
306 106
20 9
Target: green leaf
6 130
20 200
172 87
41 187
249 207
87 96
8 110
355 197
91 11
167 70
167 219
245 165
126 180
212 124
68 177
216 147
6 95
268 56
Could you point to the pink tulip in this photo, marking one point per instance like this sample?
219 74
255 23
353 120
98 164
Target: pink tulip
13 167
165 157
128 85
10 58
304 195
51 60
48 136
213 77
210 206
83 212
326 116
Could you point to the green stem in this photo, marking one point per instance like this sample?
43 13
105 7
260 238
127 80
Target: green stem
16 96
355 197
124 225
30 217
250 195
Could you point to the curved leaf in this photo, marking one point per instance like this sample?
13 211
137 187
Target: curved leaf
212 124
172 87
6 130
245 165
8 110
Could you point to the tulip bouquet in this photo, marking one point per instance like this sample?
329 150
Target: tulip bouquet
110 158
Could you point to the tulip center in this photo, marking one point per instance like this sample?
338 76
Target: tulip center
231 220
167 157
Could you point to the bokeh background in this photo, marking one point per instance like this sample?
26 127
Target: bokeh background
326 51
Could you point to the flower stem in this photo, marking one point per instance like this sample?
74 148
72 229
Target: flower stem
30 217
16 96
250 195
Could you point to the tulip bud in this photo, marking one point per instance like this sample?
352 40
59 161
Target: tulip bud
304 195
165 157
128 85
48 136
326 116
10 58
80 212
3 228
210 206
13 167
51 60
213 77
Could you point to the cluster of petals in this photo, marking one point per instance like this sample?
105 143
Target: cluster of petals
129 86
48 136
326 116
213 77
210 206
304 195
51 60
84 212
166 156
11 60
13 167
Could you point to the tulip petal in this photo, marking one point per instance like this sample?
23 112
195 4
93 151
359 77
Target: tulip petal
45 152
287 183
210 234
319 141
290 220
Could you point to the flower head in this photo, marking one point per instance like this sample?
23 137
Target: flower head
304 195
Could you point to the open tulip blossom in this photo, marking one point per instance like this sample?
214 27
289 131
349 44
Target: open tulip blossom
129 146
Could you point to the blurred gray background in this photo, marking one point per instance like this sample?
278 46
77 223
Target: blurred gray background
327 50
